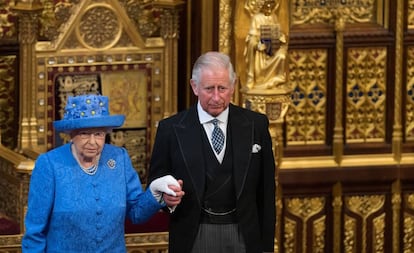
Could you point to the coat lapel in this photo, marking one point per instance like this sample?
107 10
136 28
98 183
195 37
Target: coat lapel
242 141
188 133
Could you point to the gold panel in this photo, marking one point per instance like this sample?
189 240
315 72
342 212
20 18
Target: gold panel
366 95
408 233
306 117
409 105
408 226
290 236
350 237
378 234
361 209
319 233
410 14
304 213
128 92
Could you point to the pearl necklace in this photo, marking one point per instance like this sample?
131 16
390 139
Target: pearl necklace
91 170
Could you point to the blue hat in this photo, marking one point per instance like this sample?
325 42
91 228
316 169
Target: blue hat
87 111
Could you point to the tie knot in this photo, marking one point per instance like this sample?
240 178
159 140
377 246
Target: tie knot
215 122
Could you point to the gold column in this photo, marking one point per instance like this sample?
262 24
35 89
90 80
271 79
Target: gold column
28 13
338 142
207 28
397 128
337 214
396 215
170 34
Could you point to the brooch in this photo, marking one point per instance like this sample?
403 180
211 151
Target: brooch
111 163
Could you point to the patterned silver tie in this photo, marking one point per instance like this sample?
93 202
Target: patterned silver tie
217 137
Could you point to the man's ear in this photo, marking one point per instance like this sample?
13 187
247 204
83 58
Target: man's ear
194 87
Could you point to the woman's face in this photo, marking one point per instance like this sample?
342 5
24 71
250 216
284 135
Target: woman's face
89 142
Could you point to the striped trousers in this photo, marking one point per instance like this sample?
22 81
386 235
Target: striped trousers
219 238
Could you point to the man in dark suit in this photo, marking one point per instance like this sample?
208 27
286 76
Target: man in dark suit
229 201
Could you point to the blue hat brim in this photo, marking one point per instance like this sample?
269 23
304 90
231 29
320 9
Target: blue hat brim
112 121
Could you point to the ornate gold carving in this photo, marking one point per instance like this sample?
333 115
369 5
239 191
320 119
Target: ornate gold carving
410 14
7 21
366 206
306 118
290 235
135 141
318 239
350 237
275 107
408 225
147 242
317 11
409 199
225 27
409 109
10 243
28 27
378 231
365 95
99 27
7 89
408 242
305 209
169 24
14 183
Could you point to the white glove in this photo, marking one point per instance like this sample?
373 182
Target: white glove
160 186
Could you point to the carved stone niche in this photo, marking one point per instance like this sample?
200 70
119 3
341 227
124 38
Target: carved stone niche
125 50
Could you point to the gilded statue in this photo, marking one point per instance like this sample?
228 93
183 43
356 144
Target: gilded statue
265 48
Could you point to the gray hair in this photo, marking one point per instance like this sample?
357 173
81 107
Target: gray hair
213 60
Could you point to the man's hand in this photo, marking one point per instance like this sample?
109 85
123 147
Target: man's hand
161 185
174 200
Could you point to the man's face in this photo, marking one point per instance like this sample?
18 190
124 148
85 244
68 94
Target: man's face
214 90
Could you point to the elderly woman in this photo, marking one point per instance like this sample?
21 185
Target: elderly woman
81 192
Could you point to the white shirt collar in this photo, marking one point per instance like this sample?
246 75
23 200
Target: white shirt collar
204 117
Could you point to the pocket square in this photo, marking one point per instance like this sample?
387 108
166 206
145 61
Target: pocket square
256 148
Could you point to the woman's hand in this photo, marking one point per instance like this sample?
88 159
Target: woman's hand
171 200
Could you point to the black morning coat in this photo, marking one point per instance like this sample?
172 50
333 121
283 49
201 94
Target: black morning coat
178 151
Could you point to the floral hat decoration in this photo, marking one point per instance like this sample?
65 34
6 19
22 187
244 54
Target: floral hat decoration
87 111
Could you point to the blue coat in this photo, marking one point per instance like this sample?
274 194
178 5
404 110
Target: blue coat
71 211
